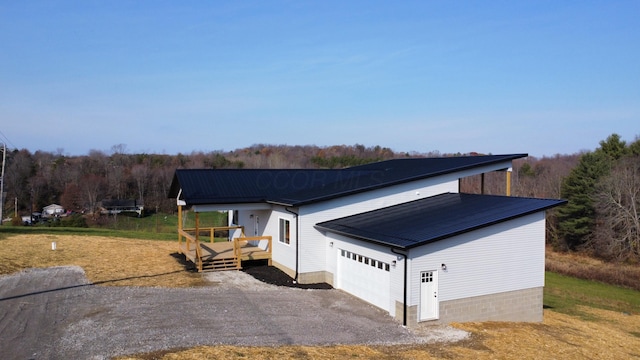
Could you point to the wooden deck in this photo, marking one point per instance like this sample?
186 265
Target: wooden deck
222 255
225 255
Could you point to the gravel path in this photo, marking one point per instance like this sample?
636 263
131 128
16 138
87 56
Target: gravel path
56 313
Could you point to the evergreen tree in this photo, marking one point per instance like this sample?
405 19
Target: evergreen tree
577 218
613 147
634 147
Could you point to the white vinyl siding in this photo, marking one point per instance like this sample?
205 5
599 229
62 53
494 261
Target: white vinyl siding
313 241
504 257
283 253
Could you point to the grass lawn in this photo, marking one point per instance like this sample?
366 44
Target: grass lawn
151 227
566 294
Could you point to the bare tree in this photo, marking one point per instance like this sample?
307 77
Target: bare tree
140 172
617 235
92 187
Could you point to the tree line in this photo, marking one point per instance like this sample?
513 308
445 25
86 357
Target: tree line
78 183
602 186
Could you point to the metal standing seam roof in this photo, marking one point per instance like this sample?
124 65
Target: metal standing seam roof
434 218
295 187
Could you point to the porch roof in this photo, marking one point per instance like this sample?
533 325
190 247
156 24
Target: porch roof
295 187
434 218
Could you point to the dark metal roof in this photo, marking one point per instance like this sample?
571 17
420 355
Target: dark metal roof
229 186
296 187
434 218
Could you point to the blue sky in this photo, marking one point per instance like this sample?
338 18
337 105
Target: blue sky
541 77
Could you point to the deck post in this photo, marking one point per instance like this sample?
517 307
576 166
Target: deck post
199 259
180 228
271 251
197 226
509 182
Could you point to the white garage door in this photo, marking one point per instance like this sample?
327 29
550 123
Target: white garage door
364 277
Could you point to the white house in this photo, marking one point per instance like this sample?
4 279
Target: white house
52 210
397 233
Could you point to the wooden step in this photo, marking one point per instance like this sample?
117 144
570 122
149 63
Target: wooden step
220 264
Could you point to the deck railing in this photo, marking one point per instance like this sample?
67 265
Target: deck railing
237 247
190 239
212 230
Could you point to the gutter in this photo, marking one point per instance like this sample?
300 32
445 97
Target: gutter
404 300
295 279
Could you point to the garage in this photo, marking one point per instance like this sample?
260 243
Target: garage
364 277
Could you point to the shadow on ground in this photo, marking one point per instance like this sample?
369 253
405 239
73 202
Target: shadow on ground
274 276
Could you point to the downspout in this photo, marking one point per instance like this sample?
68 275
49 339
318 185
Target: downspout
295 279
404 300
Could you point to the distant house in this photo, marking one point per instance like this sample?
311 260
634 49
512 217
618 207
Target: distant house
52 210
397 234
117 206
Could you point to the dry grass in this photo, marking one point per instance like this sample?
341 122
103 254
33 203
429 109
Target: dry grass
115 261
584 267
105 260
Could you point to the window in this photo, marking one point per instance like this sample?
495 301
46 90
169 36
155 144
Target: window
365 260
426 276
285 232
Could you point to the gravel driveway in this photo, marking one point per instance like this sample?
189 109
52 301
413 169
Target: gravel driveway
56 313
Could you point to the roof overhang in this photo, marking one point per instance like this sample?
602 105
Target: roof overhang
225 207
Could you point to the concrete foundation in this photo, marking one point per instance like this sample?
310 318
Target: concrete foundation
519 306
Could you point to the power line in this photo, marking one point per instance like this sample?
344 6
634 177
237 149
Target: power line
7 140
4 158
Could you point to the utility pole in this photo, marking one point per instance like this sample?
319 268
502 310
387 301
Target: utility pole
4 157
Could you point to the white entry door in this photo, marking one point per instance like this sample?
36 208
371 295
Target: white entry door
429 295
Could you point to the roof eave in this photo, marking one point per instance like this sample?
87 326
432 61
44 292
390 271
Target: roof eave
405 180
363 238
